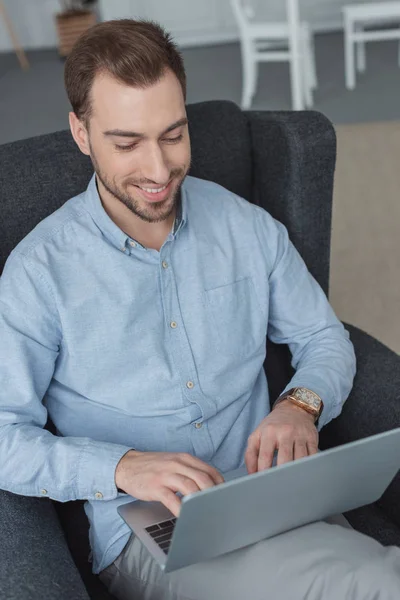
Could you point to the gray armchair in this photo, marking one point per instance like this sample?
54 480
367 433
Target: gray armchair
284 162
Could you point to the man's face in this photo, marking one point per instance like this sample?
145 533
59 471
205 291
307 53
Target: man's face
139 144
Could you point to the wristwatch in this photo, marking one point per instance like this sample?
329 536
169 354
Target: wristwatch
305 398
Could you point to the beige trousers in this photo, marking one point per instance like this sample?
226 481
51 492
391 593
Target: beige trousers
321 561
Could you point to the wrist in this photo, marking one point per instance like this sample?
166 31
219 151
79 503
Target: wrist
286 403
305 399
121 471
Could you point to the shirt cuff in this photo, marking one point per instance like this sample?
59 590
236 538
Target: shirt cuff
96 470
331 408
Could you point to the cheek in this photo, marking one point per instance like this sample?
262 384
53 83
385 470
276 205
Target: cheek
120 165
180 156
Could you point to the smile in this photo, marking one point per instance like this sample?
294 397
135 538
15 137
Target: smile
152 190
155 194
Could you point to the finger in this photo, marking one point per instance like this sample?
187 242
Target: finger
300 450
312 447
199 465
285 452
266 454
200 478
251 455
181 483
170 500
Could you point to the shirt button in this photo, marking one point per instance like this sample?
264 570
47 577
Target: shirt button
173 325
164 264
133 244
98 495
198 425
190 385
43 492
123 249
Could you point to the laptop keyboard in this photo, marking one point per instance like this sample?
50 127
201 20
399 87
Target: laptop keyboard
162 533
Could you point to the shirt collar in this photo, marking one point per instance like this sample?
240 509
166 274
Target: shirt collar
107 226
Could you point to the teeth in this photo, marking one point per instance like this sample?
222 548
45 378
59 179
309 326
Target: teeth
153 191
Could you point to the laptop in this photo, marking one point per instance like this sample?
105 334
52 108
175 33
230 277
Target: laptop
249 508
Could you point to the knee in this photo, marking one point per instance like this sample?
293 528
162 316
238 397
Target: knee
378 578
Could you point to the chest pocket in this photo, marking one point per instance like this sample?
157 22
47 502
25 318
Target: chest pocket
238 326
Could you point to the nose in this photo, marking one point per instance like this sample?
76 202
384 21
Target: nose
154 166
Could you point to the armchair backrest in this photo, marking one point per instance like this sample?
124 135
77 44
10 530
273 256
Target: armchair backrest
282 161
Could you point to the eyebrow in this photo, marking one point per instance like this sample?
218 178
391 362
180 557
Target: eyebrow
133 134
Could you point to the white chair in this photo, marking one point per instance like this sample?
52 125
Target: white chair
356 18
291 41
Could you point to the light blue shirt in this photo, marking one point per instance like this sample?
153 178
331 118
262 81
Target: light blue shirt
127 347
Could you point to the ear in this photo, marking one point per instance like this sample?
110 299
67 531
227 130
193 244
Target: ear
79 133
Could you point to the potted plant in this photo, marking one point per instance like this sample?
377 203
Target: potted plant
73 20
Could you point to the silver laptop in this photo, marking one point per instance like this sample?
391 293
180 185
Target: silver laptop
249 508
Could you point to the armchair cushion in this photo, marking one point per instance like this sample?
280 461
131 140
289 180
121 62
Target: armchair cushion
33 549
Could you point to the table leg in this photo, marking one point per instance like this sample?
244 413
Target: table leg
23 61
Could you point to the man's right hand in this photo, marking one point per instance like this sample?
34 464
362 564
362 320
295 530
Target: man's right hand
159 475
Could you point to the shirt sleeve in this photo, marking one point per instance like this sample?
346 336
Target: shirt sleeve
301 316
33 461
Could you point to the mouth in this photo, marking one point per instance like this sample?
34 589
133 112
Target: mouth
155 194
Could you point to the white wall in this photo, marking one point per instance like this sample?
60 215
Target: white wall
190 21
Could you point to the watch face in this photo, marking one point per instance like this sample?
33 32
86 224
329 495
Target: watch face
308 397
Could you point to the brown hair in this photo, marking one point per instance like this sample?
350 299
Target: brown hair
134 52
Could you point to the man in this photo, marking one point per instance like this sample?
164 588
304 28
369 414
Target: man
136 317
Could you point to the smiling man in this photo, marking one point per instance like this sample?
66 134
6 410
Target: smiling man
136 317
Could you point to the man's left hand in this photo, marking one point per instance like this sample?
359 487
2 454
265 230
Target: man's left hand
288 429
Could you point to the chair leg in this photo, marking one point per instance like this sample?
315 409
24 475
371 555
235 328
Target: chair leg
249 76
312 58
349 55
361 54
307 67
298 83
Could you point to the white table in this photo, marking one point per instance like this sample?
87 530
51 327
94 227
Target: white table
356 17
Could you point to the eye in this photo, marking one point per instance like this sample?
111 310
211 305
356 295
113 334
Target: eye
174 140
125 148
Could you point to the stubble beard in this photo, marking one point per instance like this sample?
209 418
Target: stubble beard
157 211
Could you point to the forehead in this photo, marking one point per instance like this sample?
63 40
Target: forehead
116 105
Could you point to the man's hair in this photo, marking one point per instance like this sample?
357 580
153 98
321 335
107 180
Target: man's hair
136 53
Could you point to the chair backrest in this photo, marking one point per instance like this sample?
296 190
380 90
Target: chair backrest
243 12
284 26
248 13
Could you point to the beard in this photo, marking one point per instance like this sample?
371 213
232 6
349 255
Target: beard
154 212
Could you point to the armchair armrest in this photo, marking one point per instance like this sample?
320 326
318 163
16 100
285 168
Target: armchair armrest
34 556
372 407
